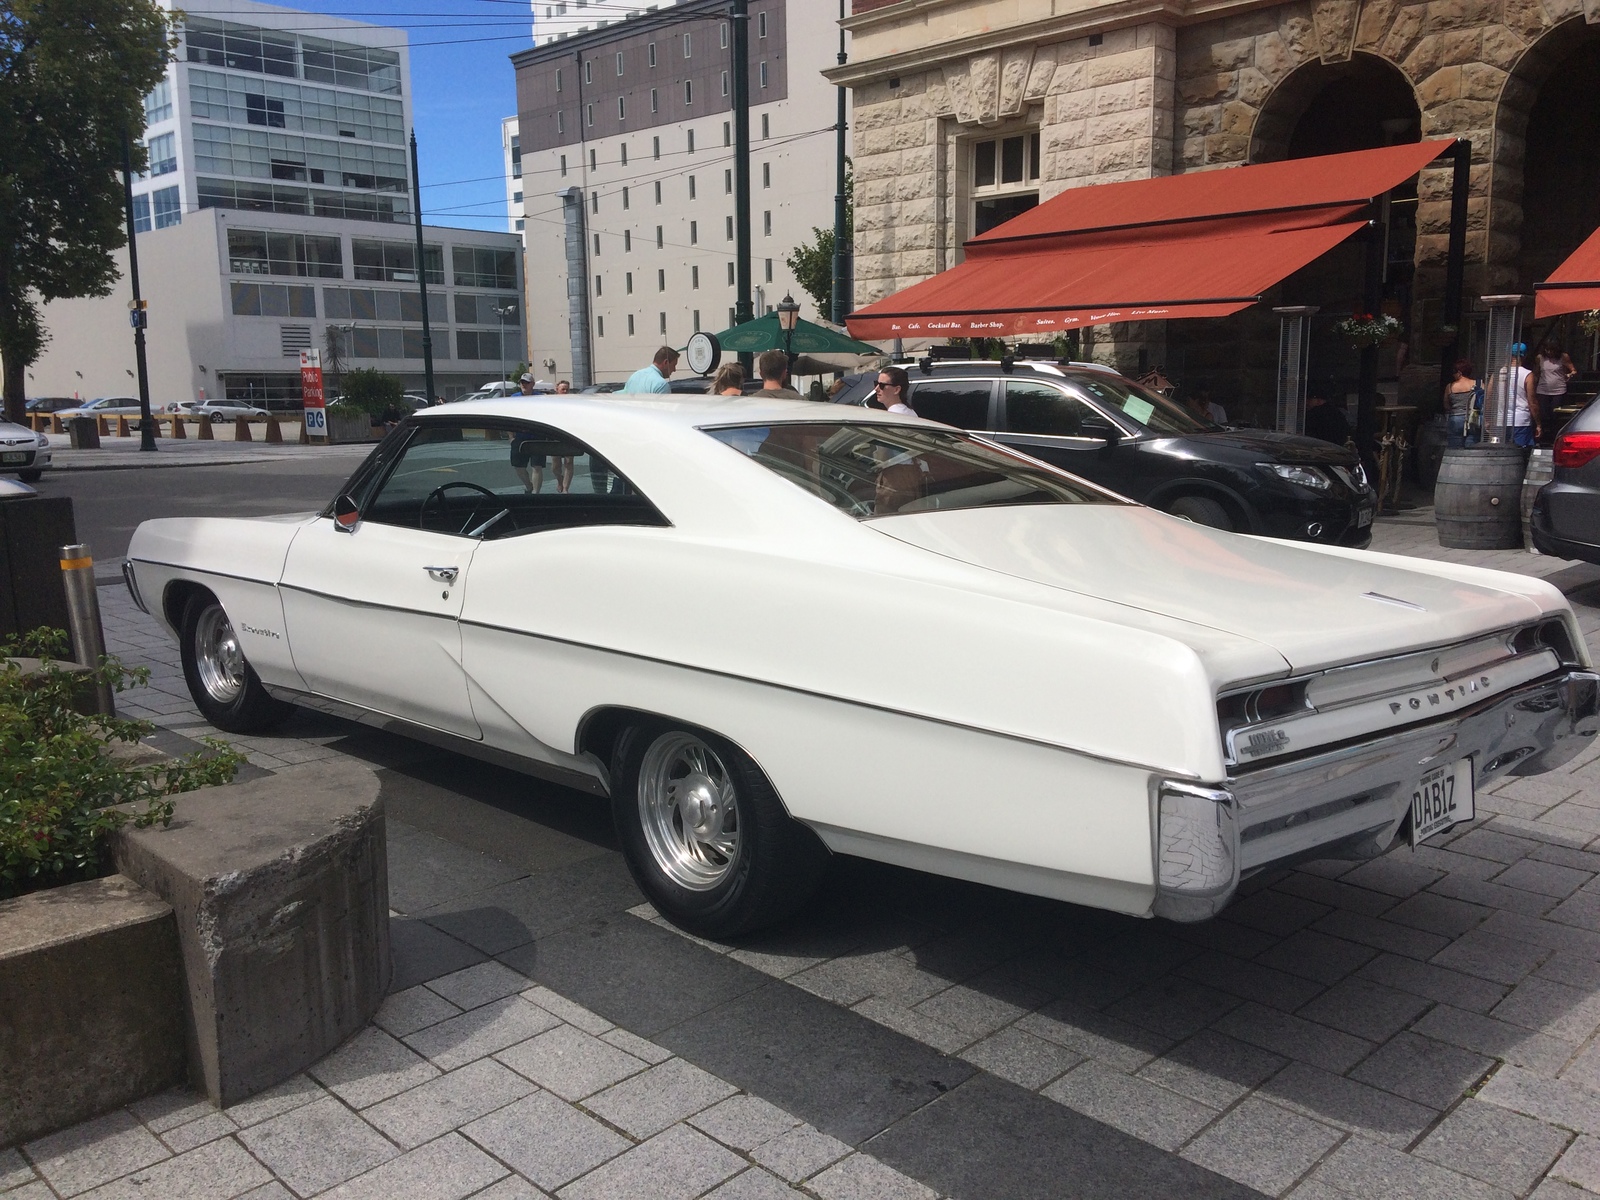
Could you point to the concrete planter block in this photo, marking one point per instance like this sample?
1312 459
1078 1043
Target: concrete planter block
91 1004
281 892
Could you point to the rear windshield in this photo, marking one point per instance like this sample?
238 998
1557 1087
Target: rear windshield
881 471
1150 409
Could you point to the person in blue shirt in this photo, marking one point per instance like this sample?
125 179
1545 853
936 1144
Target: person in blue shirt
654 377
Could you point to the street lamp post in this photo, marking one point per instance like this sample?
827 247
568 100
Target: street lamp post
503 311
788 314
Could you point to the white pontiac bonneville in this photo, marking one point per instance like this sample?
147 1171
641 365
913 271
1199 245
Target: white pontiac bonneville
768 630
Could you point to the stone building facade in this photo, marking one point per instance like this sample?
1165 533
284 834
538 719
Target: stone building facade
1187 86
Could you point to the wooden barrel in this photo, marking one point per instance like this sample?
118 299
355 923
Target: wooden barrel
1477 500
1541 470
1432 438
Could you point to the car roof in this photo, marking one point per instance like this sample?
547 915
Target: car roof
681 410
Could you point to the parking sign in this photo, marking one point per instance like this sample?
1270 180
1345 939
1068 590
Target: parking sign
316 416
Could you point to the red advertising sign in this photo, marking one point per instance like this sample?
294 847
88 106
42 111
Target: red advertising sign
316 416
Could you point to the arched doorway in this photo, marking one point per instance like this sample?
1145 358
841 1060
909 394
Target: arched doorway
1319 108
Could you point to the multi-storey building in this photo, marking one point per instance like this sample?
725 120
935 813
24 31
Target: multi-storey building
626 134
275 216
558 18
511 149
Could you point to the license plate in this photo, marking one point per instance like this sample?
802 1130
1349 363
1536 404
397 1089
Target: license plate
1364 518
1441 798
14 456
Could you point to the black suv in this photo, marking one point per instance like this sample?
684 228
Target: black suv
1097 424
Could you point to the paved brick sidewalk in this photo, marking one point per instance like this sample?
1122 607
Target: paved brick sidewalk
1418 1026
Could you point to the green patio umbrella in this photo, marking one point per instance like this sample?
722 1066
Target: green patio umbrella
764 333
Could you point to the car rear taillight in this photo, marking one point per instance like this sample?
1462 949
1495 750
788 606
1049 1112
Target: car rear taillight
1576 449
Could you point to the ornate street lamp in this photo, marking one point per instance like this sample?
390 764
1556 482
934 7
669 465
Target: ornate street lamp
788 314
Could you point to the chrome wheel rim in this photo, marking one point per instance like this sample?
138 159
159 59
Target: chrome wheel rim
217 656
689 810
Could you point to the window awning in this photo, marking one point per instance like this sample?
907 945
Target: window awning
1204 244
1574 286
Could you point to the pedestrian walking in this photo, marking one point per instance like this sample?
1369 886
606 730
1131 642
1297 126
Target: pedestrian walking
652 379
563 387
1463 400
1524 421
773 367
728 381
1551 369
893 382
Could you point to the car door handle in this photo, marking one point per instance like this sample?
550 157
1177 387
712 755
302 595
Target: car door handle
442 574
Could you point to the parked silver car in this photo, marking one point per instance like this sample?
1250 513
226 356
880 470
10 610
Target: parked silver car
23 452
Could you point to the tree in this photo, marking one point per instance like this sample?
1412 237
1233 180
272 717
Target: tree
73 77
812 262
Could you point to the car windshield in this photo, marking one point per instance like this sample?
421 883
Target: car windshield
894 470
1154 411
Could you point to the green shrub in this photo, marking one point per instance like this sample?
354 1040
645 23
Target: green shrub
370 391
57 779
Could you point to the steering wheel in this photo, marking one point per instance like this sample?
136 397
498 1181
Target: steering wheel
438 494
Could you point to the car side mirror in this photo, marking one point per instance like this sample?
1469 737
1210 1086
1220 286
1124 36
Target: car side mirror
346 514
1102 429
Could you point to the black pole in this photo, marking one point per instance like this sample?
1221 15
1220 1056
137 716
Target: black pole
136 314
1371 301
841 234
422 278
1456 256
742 310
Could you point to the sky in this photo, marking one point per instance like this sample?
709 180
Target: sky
462 85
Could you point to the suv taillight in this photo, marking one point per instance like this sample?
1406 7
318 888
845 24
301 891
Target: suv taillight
1576 449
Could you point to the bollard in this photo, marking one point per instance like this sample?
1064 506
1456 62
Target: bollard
122 427
105 430
274 430
178 431
204 431
241 430
83 617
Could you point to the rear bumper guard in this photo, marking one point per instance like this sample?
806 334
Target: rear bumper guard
1351 802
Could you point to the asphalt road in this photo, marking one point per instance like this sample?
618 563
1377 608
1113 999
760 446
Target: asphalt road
109 505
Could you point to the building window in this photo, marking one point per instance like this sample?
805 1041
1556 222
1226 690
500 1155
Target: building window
482 266
663 317
691 187
273 300
727 133
619 64
624 153
722 33
624 197
766 175
1005 179
655 103
766 223
622 108
686 50
729 220
563 164
520 223
730 316
158 104
655 148
588 71
694 233
697 320
600 327
658 191
588 114
516 156
690 133
516 197
141 213
596 245
255 252
761 25
594 202
766 126
688 91
761 73
627 240
694 277
593 161
652 53
727 182
598 286
558 79
732 271
769 270
630 324
627 283
659 242
661 281
724 86
163 154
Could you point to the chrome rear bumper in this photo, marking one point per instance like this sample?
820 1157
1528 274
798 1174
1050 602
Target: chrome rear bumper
1351 802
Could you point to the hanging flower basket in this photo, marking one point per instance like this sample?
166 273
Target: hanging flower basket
1364 329
1589 322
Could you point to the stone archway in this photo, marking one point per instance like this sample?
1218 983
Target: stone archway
1330 107
1546 190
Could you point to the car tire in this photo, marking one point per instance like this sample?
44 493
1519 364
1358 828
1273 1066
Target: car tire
1202 510
216 418
224 685
746 864
30 476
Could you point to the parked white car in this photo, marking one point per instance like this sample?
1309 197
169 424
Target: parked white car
105 406
219 411
768 630
23 452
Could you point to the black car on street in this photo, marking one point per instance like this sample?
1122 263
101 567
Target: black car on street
1566 513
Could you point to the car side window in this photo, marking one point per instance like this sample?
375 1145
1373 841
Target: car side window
501 479
963 403
1046 410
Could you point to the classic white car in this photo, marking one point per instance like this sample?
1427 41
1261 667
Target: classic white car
768 630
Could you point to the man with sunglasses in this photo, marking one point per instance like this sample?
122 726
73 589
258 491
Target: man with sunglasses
891 390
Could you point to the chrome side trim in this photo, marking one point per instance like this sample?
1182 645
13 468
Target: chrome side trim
549 772
132 580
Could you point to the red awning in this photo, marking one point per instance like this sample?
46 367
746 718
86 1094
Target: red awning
1574 286
1200 245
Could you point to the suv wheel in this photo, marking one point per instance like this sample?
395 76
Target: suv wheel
1202 510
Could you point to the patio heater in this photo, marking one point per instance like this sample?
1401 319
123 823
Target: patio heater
788 314
1505 327
1294 357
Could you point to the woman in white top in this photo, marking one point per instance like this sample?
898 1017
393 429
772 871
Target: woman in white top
1551 370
